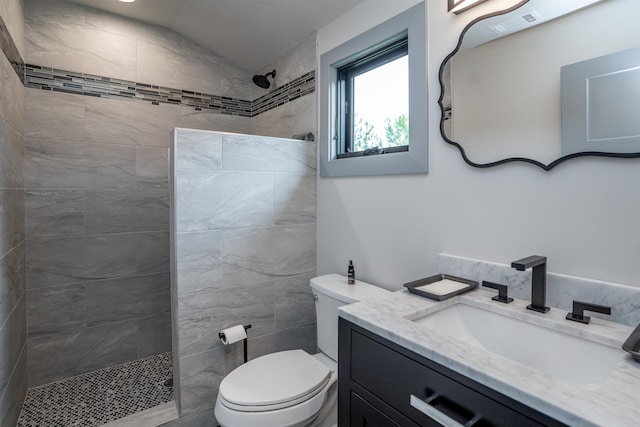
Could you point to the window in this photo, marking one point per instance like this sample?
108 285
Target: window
373 101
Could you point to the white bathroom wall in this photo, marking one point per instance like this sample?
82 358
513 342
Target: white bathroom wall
584 215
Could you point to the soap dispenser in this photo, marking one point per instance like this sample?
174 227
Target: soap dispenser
351 274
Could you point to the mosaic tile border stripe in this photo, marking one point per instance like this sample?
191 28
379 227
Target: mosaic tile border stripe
53 79
296 88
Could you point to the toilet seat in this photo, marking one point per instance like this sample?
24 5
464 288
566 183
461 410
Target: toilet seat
274 381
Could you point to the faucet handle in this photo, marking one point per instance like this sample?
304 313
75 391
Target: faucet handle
502 291
579 307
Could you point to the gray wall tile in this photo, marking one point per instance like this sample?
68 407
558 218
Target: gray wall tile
78 165
11 219
298 337
12 92
291 64
198 150
53 357
61 260
295 198
254 255
293 118
122 211
294 302
14 394
12 284
202 315
132 123
13 335
152 168
127 298
164 65
41 12
11 157
201 374
277 122
52 213
234 83
12 14
260 272
55 309
248 153
211 120
54 115
152 252
209 199
105 21
56 36
304 119
154 335
13 323
174 347
199 261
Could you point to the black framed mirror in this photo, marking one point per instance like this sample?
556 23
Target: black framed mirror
502 86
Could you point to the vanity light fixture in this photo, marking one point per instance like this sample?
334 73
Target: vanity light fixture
127 1
459 6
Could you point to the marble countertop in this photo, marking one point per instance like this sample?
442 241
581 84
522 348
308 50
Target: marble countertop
616 402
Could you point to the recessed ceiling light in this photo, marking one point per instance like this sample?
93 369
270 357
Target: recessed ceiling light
127 1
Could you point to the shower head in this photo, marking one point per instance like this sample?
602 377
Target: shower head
262 81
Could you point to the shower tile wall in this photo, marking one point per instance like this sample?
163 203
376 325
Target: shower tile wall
245 249
295 117
96 177
97 220
13 349
97 194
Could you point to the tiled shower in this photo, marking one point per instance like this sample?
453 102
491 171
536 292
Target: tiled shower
84 180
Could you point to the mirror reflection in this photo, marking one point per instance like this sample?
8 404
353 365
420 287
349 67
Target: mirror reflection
502 88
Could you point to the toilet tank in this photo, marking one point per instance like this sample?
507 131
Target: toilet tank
331 291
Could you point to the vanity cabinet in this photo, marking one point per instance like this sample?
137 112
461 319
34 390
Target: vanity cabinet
383 384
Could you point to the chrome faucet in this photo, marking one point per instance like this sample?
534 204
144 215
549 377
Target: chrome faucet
538 280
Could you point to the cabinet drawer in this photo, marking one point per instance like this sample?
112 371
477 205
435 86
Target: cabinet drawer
394 378
363 414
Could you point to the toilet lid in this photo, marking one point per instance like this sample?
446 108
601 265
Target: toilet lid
274 379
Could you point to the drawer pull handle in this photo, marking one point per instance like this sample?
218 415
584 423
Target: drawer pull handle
433 413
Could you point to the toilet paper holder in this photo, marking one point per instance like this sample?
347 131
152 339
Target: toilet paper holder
244 341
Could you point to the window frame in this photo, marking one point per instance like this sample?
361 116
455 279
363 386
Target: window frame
395 160
393 49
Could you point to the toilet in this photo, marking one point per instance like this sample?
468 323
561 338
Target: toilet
294 388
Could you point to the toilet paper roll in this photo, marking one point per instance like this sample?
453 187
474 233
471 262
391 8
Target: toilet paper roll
233 334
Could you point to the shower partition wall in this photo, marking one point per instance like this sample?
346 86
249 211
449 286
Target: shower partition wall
243 249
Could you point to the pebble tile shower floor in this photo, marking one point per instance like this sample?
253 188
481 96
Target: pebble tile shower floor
99 397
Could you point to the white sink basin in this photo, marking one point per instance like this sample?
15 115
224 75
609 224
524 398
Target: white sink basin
555 353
